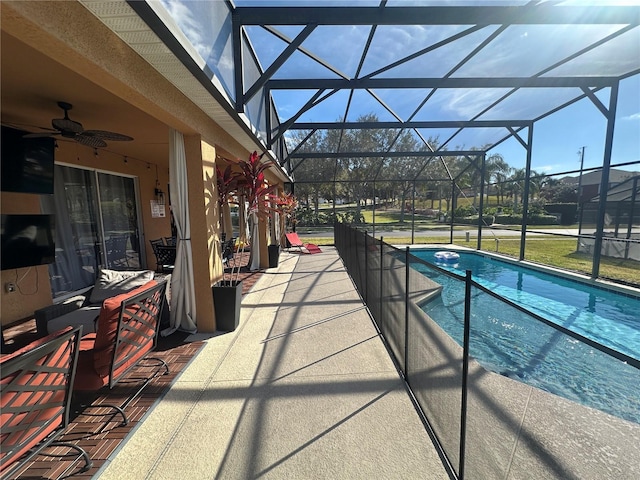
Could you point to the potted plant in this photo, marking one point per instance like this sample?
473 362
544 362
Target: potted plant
227 294
251 181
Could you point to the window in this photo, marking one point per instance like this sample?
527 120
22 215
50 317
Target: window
97 225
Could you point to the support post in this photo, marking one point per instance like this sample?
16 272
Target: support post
604 182
480 215
413 213
406 315
465 372
525 194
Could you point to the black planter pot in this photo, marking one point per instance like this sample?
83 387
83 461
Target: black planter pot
274 254
227 297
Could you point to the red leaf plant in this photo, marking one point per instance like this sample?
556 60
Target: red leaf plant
284 204
252 182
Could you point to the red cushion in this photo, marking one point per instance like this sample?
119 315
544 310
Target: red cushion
97 350
34 344
107 328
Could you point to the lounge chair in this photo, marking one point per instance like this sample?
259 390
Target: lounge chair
294 241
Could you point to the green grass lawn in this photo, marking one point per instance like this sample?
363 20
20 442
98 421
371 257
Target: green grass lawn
553 251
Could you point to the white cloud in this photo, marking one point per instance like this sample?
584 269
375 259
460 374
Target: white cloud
188 23
633 117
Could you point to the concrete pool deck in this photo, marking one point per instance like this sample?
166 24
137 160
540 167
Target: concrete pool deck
305 389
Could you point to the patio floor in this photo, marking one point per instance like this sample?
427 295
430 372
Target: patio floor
303 388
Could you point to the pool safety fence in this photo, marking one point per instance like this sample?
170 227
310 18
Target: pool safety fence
481 382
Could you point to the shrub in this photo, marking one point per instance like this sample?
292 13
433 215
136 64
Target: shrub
568 211
473 220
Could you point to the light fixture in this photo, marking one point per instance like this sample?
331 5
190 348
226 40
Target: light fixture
126 160
159 194
95 152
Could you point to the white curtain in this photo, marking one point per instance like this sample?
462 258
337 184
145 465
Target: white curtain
227 226
254 242
183 300
243 219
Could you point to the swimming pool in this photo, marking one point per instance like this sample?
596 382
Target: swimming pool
514 344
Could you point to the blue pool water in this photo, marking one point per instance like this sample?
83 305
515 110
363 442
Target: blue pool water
512 343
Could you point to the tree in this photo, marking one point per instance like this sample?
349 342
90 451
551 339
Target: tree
497 171
314 178
559 192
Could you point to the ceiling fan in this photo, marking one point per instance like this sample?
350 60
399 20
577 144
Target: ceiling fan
71 129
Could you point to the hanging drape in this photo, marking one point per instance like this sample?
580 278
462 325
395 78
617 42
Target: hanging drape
183 301
255 242
227 226
242 219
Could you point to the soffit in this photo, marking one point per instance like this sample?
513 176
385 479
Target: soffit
120 18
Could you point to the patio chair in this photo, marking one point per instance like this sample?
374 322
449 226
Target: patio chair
294 241
127 330
228 248
165 256
36 396
158 241
116 247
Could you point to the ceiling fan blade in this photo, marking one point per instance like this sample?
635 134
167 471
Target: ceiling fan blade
105 135
40 135
90 141
66 125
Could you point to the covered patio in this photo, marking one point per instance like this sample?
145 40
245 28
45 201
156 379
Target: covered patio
307 387
304 388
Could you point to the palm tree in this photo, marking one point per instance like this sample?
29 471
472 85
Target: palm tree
497 171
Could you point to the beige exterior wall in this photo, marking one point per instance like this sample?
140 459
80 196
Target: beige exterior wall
34 288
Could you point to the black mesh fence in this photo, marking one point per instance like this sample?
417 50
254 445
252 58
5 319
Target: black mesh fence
505 392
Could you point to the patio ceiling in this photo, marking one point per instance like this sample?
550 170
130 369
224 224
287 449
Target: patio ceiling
29 102
471 73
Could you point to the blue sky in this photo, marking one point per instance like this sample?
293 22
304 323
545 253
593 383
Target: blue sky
519 50
559 137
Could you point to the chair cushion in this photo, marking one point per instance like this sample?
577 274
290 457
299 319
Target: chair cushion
108 327
85 316
111 283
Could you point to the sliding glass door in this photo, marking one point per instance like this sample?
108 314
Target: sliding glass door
118 210
97 226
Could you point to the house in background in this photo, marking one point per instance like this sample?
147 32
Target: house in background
590 182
